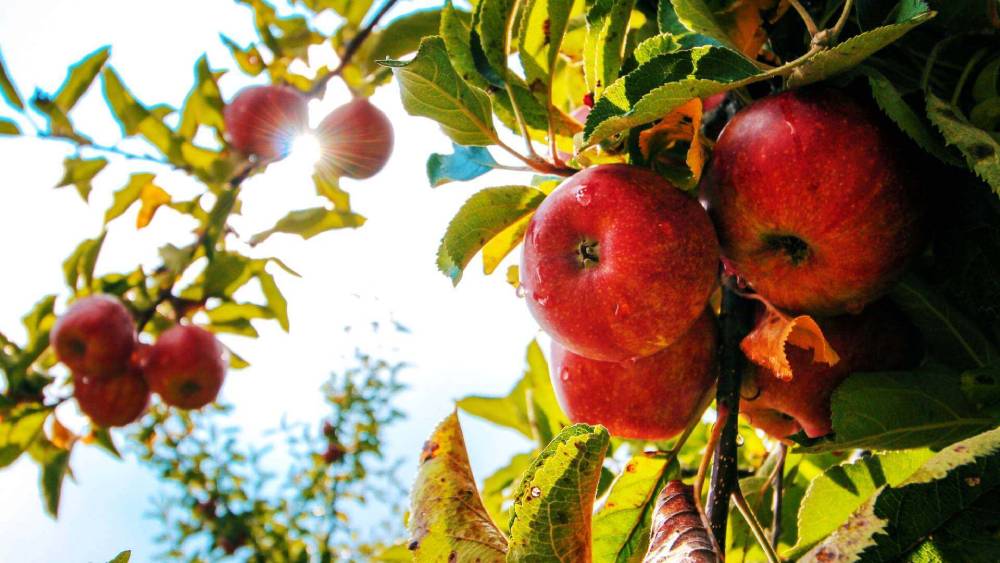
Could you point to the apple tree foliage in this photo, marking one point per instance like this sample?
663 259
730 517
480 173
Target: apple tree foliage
911 471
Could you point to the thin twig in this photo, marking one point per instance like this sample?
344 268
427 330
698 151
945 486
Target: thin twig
806 17
779 478
839 26
110 149
350 49
754 525
735 322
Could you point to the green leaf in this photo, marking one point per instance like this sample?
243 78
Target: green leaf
543 26
621 525
82 262
308 223
664 83
848 54
234 312
59 123
909 121
980 149
491 24
352 10
896 411
484 216
951 337
499 488
125 197
841 489
607 30
19 429
248 59
699 17
8 127
276 302
79 172
464 164
54 462
402 36
122 557
328 186
447 517
204 104
971 536
137 119
655 46
898 518
80 77
430 87
102 437
8 89
552 507
532 395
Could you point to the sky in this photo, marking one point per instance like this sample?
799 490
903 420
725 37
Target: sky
465 340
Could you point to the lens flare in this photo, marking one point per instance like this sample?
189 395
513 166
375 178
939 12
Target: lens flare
305 151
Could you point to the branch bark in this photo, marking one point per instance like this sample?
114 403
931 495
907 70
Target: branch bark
735 320
350 49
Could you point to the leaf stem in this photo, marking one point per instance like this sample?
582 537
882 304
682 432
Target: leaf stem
779 481
806 17
960 85
350 49
741 504
841 21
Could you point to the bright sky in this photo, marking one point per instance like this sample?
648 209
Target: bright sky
465 340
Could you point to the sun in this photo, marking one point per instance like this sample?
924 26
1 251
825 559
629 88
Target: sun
305 152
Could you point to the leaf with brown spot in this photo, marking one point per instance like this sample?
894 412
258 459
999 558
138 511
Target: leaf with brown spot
678 535
448 521
765 345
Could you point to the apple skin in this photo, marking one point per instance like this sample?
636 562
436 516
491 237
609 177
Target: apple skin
617 263
96 336
186 367
356 140
878 339
264 120
815 202
652 398
114 401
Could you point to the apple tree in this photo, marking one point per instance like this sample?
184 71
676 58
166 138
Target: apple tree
759 235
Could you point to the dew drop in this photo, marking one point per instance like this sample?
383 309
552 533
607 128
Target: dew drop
583 196
739 440
564 374
519 292
536 492
542 300
622 310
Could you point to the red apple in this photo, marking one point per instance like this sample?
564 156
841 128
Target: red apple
878 339
617 263
356 140
651 398
111 401
816 204
264 120
186 367
95 336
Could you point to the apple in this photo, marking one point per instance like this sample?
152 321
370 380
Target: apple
95 336
816 203
651 398
356 140
264 120
878 339
111 401
617 263
186 367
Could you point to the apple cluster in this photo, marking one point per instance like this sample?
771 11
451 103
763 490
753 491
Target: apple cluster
114 373
809 201
356 138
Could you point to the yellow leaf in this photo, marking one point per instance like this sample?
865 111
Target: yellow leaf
681 124
514 276
152 197
765 345
500 246
62 437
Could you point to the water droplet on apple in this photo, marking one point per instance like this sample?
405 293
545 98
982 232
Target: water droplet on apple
667 229
542 300
583 196
622 310
564 374
519 292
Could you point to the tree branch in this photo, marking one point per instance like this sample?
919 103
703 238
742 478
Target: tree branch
735 320
350 49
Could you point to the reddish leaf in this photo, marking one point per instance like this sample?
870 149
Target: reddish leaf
677 534
765 345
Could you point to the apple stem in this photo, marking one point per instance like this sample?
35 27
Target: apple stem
735 322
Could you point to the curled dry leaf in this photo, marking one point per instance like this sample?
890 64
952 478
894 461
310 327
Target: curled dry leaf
677 533
681 124
765 345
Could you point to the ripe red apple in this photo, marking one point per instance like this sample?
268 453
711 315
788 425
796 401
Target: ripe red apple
617 263
816 204
651 398
95 336
186 367
111 401
264 120
356 139
878 339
